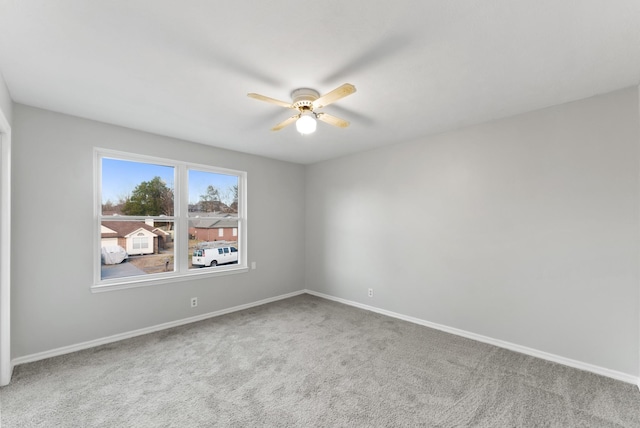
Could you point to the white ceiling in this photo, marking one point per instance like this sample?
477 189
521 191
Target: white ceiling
183 68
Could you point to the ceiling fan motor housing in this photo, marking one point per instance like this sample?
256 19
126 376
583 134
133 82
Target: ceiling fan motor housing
303 99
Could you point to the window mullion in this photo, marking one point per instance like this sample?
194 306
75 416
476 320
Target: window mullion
182 221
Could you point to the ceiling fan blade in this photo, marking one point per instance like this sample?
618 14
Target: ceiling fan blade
335 95
286 122
270 100
332 120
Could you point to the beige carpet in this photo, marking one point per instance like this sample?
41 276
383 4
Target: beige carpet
308 362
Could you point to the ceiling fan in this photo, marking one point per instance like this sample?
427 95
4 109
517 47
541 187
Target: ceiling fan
306 101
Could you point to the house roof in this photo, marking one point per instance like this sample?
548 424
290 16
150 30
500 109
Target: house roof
124 228
420 67
213 223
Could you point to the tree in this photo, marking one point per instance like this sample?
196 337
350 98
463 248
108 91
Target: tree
107 206
234 204
210 200
213 194
234 189
152 198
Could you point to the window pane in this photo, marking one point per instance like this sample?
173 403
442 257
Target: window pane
136 188
132 248
205 238
213 219
212 194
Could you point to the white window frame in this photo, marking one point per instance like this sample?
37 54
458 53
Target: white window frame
181 224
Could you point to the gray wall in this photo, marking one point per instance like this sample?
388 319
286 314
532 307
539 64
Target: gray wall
52 305
6 104
524 229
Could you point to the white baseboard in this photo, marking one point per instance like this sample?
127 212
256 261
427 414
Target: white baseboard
117 337
624 377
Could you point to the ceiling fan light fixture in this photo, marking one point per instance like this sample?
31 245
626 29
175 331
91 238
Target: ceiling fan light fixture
306 101
306 125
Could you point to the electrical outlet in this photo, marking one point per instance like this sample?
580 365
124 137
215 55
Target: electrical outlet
194 302
253 265
370 292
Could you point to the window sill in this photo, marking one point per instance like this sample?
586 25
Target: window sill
157 279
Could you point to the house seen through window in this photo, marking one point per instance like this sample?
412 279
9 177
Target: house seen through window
165 219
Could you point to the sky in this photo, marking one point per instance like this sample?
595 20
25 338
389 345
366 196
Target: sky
120 177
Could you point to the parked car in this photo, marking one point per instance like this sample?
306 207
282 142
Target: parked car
214 256
114 254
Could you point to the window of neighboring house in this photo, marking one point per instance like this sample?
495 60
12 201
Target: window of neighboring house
140 243
150 213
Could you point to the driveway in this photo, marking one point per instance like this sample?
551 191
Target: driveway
120 270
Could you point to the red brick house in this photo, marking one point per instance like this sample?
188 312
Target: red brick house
213 229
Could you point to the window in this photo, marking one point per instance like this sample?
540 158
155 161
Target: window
140 243
156 218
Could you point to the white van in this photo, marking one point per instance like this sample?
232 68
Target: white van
214 256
